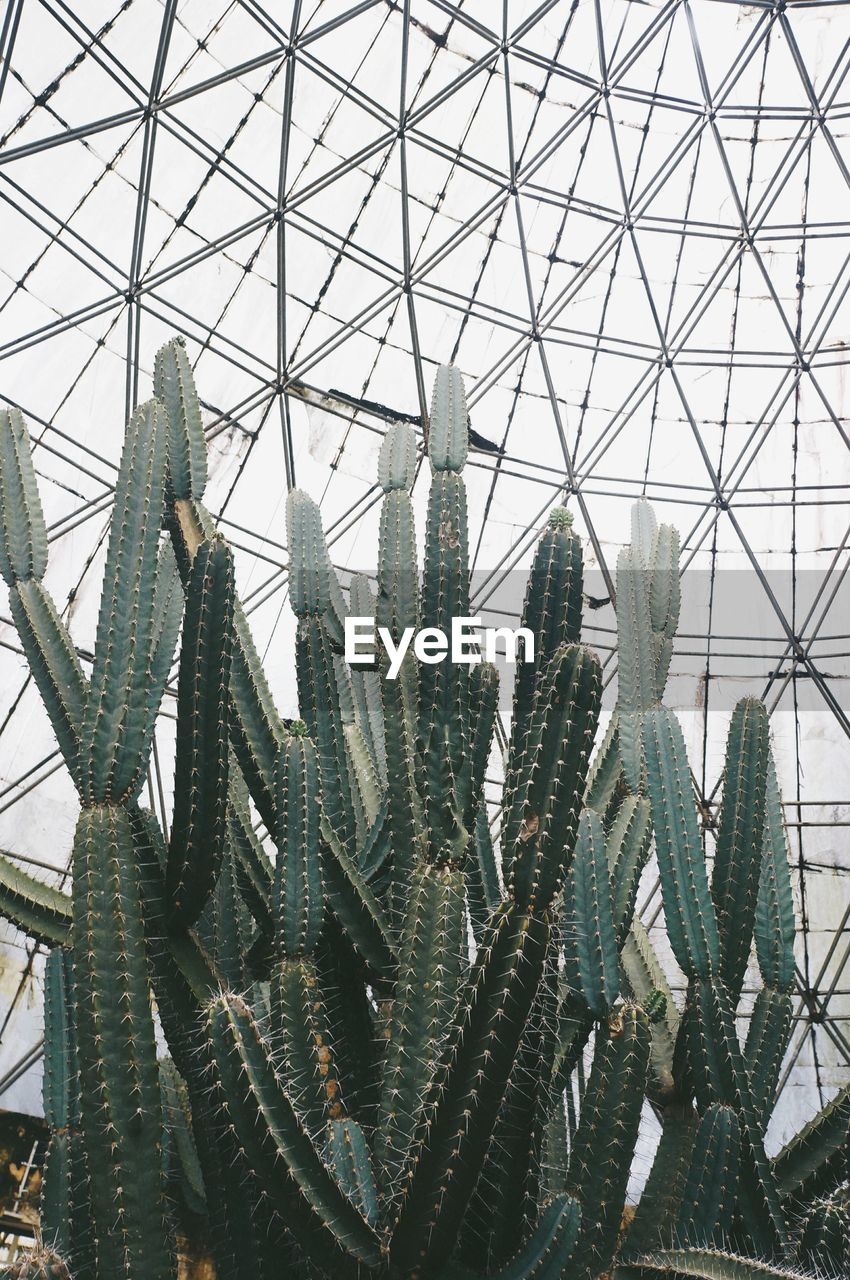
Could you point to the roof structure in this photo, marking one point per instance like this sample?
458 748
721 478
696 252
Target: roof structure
625 220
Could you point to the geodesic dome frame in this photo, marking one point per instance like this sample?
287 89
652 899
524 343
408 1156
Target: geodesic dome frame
627 224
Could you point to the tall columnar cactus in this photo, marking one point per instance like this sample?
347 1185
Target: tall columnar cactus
399 1047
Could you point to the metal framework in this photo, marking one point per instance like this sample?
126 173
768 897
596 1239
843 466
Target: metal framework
626 221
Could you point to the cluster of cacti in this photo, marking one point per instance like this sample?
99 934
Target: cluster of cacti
377 1036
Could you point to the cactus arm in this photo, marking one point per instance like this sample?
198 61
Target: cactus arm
767 1040
816 1158
482 875
168 614
448 429
574 1029
303 1043
501 990
605 775
53 662
550 1246
65 1208
444 686
225 927
545 1255
349 1158
774 924
737 860
424 1005
310 569
296 1179
627 849
185 1166
708 1200
397 603
117 709
703 1264
658 1208
504 1205
298 899
322 709
122 1117
355 906
254 869
603 1147
552 610
824 1242
183 983
366 684
375 852
256 729
636 660
366 786
644 530
644 975
688 908
23 561
59 1076
298 1018
590 939
546 777
23 535
397 607
350 991
665 593
483 704
201 771
717 1073
397 459
174 387
37 909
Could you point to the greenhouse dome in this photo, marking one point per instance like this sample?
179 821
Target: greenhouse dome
625 222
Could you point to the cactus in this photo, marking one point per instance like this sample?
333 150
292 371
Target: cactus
825 1233
376 1007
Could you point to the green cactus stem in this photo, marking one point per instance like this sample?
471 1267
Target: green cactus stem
23 540
603 1147
703 1264
199 826
174 387
737 859
448 428
502 988
592 968
297 1180
552 610
825 1234
546 777
118 711
688 909
37 909
708 1201
424 1006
